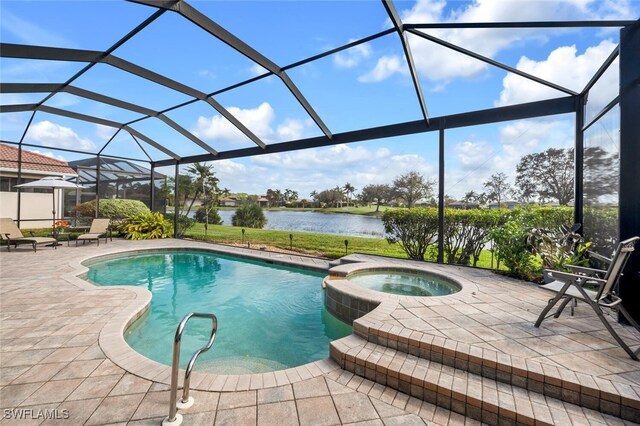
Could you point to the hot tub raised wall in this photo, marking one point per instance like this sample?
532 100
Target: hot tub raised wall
346 303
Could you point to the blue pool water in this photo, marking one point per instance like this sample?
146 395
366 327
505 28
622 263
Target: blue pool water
269 317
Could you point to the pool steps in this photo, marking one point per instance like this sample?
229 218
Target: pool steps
479 383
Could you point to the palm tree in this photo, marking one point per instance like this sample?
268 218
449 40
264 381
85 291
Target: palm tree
349 190
205 182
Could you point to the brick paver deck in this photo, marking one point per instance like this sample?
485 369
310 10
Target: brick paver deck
62 348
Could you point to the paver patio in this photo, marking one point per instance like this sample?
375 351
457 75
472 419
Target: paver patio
56 353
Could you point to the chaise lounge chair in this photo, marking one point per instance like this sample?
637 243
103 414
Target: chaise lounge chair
10 232
99 227
572 287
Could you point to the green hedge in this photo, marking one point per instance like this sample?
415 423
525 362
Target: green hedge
466 233
113 208
413 229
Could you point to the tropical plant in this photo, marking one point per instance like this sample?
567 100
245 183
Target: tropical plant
249 216
349 190
146 226
559 247
413 229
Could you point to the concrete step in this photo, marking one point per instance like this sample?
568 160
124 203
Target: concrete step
464 392
615 398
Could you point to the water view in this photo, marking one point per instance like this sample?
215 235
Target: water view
351 225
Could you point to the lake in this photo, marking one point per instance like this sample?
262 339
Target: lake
351 225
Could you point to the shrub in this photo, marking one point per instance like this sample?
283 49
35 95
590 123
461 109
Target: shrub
146 226
249 216
466 232
184 223
601 228
115 209
214 217
513 248
414 229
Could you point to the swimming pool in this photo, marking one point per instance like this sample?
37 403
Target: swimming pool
404 283
270 317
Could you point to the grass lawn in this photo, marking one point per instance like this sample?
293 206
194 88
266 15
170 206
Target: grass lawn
331 246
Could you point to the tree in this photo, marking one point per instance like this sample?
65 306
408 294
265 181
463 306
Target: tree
601 173
330 196
349 190
498 187
185 188
546 175
378 194
274 197
204 182
474 197
205 185
412 187
290 195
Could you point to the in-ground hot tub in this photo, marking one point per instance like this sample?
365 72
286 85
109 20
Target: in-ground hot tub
355 289
404 283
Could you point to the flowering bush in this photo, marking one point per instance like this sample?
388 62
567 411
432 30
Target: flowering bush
59 226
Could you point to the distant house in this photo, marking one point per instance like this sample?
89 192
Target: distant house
465 206
263 201
504 205
35 203
229 202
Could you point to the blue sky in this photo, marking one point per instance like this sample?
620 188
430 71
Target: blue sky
366 86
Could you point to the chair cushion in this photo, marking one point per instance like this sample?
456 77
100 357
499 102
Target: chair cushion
572 291
89 236
37 240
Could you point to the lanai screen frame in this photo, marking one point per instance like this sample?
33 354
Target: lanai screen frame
574 102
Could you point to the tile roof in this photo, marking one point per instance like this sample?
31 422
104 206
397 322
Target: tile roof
32 161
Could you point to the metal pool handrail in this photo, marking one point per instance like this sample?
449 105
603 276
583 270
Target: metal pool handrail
186 401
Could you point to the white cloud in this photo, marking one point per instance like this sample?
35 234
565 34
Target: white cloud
472 155
30 33
207 73
104 132
259 120
48 154
477 161
566 67
53 135
385 67
332 158
257 69
441 64
353 56
318 169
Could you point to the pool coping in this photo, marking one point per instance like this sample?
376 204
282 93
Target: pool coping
112 342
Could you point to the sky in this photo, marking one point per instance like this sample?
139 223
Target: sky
366 86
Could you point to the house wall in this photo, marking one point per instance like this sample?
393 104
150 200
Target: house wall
32 206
